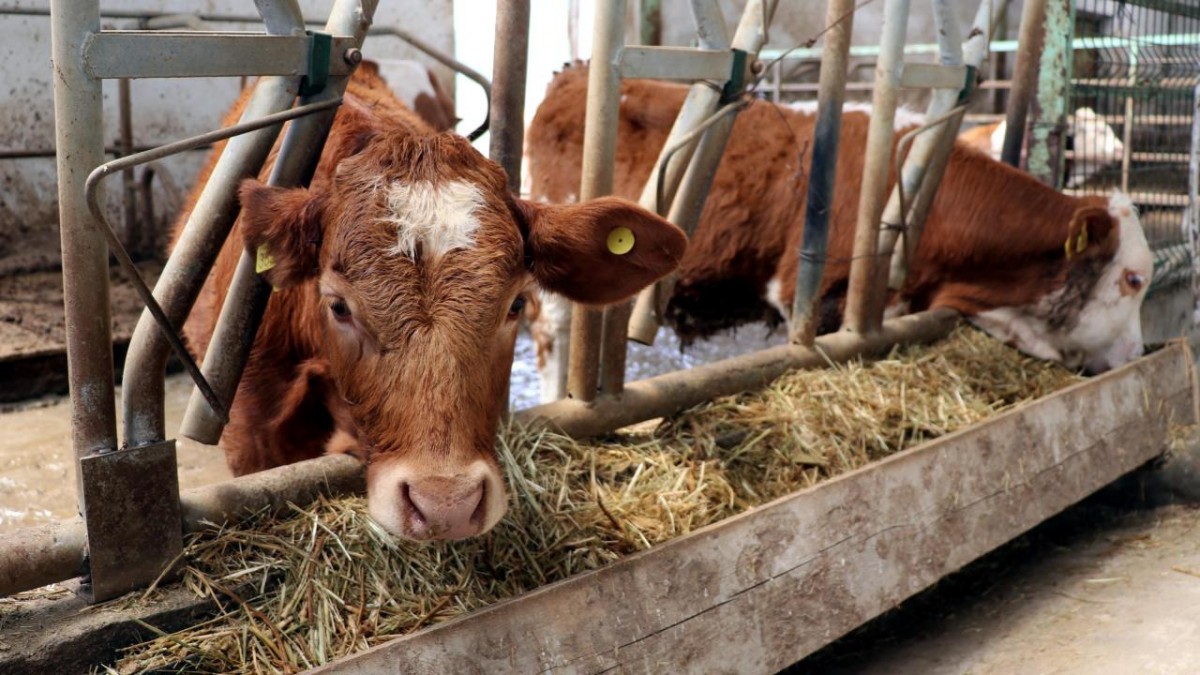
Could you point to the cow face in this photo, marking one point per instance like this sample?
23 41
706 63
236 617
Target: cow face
1092 320
423 262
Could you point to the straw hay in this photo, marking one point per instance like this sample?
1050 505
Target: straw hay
325 581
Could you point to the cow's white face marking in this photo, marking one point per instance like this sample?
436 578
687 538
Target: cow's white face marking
774 298
1095 146
1108 329
439 218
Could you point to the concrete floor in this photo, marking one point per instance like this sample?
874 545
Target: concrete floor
1108 587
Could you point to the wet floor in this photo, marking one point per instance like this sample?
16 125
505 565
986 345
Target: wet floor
37 472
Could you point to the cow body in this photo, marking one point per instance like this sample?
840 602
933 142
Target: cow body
993 246
400 275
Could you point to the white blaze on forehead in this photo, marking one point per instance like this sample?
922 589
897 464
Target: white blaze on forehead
439 217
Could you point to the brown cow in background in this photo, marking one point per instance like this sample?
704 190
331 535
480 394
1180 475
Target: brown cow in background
1059 277
401 273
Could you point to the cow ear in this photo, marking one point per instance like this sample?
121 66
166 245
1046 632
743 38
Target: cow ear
1090 231
598 252
282 228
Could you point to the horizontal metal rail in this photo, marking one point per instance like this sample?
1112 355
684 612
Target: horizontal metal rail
101 172
162 54
675 63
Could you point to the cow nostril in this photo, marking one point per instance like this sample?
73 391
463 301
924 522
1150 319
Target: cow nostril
480 511
413 510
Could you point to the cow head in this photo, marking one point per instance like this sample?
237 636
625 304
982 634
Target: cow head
423 260
1092 318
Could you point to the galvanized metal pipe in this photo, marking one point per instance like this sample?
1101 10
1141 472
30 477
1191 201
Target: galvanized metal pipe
599 148
246 301
79 138
918 167
861 315
835 55
668 394
749 37
133 238
1049 115
187 268
1127 132
1024 80
511 61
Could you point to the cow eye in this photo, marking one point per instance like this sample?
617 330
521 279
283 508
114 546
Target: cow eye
518 304
341 311
1135 280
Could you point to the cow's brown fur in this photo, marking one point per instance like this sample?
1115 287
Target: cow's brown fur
412 377
752 223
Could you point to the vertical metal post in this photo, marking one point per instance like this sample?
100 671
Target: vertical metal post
599 147
861 317
1024 80
507 126
1192 222
1127 131
248 295
831 94
79 128
133 236
131 541
1049 123
649 13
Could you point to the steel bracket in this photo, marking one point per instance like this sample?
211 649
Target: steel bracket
134 522
737 77
320 46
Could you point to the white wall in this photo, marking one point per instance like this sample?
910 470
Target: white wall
164 110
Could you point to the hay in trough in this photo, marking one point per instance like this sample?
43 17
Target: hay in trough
324 580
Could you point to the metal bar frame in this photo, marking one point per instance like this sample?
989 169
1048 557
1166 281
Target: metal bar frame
839 17
158 54
1024 81
860 314
83 55
1192 222
1048 123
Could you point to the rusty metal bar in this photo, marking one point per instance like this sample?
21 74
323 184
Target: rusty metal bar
128 182
670 393
126 165
246 301
450 62
1049 124
1024 82
839 20
599 148
79 139
861 317
507 116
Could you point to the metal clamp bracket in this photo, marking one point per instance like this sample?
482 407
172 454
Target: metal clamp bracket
320 47
737 77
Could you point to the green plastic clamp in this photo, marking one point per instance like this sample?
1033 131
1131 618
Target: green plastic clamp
320 46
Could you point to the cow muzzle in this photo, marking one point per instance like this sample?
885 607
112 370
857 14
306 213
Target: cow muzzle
424 505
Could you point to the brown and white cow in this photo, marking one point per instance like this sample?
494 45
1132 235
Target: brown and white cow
401 273
994 248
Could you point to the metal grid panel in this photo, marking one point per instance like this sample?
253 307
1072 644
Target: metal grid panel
1137 69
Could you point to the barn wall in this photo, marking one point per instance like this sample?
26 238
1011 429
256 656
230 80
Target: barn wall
163 110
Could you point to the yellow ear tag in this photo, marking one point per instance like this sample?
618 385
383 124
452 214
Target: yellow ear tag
263 260
620 240
1082 242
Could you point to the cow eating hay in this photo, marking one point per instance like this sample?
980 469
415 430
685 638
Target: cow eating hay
1059 277
401 273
